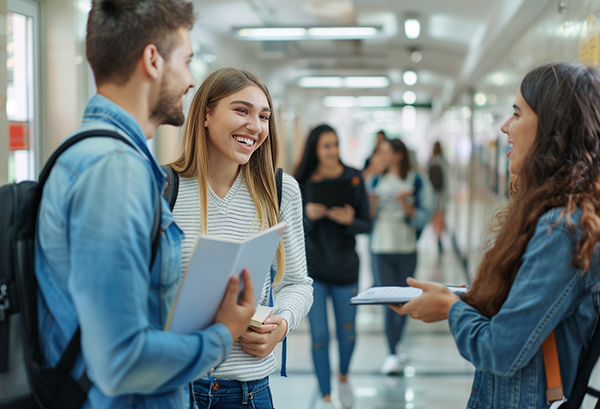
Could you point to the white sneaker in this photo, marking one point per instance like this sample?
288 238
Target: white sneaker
391 365
345 394
321 404
402 355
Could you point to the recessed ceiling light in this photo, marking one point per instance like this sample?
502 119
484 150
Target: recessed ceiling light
416 56
480 99
412 28
410 78
409 97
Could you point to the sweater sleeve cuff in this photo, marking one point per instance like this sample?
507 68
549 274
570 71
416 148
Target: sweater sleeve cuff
287 315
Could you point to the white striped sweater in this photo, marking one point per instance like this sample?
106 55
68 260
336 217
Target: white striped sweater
233 217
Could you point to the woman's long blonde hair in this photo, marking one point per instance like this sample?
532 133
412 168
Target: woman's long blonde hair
259 172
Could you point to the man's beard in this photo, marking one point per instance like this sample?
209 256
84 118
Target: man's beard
167 111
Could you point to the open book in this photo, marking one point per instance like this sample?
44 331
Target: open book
393 295
213 262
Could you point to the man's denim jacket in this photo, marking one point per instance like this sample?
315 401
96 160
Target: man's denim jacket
547 293
92 258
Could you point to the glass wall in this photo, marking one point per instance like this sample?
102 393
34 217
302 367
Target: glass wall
21 108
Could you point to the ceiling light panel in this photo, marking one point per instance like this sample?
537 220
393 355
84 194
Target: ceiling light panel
321 82
305 33
365 101
342 32
366 82
272 33
345 82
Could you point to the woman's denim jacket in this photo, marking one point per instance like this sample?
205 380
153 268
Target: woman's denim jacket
92 257
548 293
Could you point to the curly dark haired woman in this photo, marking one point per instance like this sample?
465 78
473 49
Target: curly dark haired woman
542 272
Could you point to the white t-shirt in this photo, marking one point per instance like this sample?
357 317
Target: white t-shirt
391 233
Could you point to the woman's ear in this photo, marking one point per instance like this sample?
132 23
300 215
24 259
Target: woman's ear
206 115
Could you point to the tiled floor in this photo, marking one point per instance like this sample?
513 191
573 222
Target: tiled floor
436 377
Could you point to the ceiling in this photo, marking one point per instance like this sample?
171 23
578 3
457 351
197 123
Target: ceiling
459 38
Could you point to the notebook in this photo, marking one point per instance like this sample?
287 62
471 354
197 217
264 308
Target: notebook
393 295
213 262
332 193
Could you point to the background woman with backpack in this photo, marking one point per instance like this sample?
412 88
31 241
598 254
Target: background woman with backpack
437 169
397 205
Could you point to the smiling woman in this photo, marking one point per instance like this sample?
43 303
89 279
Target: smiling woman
227 188
539 280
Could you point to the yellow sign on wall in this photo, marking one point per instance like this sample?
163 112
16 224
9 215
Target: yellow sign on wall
589 42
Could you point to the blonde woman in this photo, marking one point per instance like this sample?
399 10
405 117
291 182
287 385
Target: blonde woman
227 188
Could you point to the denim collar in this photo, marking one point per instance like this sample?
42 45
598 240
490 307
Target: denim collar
100 108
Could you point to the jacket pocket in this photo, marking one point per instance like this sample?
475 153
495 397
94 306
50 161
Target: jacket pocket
479 391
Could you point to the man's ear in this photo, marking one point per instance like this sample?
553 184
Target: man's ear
152 61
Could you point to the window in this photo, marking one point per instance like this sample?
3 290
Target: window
21 94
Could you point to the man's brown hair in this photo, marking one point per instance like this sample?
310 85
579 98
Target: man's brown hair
119 30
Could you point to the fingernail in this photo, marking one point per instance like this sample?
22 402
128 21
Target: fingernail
268 319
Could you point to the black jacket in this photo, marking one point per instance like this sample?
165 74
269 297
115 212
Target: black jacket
330 247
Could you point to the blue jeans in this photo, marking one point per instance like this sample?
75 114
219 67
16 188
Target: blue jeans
393 270
230 394
345 324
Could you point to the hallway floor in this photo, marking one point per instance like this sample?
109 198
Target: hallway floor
435 377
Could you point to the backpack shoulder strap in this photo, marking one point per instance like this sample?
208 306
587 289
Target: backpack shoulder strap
279 185
72 141
580 387
172 188
418 184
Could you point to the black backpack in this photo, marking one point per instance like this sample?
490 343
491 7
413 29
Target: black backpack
436 176
24 382
584 372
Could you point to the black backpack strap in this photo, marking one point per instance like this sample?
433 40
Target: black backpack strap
279 185
581 388
72 141
172 188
